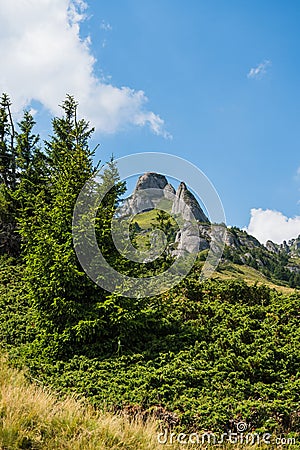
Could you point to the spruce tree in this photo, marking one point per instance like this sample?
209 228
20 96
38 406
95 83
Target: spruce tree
68 303
8 170
32 168
53 273
9 238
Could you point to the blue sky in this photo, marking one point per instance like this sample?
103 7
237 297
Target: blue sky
221 78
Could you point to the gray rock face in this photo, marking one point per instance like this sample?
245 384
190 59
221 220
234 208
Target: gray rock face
292 247
169 192
295 269
139 203
186 204
274 248
143 199
151 180
149 190
189 241
231 240
189 238
196 233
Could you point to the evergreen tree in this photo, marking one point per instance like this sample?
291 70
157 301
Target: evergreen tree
57 284
23 165
163 222
27 145
66 300
32 168
114 188
7 144
9 238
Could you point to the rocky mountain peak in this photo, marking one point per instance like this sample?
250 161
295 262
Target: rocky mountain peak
186 204
182 201
151 180
169 192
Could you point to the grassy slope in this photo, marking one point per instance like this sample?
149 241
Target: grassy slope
144 219
250 276
32 418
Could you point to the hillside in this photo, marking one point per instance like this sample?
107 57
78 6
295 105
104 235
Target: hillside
243 257
201 356
35 418
204 356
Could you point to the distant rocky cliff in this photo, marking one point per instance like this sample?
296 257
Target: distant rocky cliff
291 247
153 191
152 187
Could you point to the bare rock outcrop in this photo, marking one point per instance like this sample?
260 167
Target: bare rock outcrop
187 206
151 180
169 192
188 240
291 248
272 247
150 188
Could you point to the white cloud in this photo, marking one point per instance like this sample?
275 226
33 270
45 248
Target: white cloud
44 58
105 26
260 70
272 225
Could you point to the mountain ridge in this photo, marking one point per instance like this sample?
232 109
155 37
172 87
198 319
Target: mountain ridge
280 262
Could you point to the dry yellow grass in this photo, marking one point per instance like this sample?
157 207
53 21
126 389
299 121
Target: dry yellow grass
32 418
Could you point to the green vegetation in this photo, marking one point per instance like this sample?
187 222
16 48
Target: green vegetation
146 222
202 356
33 417
230 271
207 354
274 266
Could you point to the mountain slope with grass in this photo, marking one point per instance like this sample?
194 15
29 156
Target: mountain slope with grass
34 418
201 356
273 264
